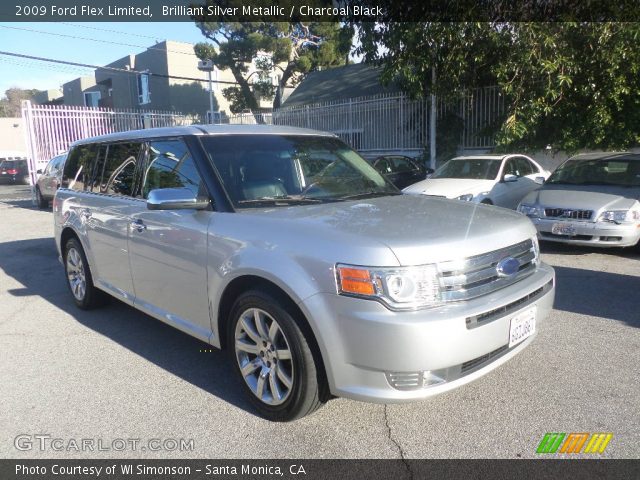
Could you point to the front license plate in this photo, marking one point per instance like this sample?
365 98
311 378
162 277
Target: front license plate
522 326
563 229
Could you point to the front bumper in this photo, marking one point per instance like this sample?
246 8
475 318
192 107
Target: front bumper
596 234
366 347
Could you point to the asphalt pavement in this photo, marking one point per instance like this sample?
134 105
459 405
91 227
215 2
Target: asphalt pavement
117 374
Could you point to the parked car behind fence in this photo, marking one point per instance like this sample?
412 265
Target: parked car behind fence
49 180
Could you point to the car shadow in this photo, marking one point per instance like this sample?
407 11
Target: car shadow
33 263
596 293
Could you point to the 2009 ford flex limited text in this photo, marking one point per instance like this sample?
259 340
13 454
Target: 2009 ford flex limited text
286 248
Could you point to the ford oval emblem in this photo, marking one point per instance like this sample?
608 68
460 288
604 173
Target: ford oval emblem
507 267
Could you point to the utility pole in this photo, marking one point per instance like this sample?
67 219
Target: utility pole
207 66
432 122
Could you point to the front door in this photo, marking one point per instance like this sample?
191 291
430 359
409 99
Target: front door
168 248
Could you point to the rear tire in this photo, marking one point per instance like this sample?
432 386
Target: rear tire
486 201
272 357
79 280
41 201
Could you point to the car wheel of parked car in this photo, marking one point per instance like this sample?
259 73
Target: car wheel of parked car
273 357
79 279
42 203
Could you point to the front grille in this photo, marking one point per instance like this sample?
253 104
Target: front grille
475 276
479 362
568 214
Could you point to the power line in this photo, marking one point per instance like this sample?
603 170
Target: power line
75 37
113 69
111 31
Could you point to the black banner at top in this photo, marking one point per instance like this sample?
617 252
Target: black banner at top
318 10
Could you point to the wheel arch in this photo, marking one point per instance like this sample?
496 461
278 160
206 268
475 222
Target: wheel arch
247 282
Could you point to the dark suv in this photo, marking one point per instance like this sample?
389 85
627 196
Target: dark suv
14 171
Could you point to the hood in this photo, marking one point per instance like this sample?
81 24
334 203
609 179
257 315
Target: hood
586 197
418 229
450 187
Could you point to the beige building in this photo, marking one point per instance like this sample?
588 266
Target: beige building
12 141
112 88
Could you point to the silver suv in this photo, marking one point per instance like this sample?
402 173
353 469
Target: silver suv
286 248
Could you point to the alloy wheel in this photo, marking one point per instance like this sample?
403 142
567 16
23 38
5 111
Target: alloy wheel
264 356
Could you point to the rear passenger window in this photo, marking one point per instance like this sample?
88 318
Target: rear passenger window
78 167
118 169
170 165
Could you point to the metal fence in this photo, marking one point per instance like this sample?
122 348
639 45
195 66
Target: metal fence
50 129
389 122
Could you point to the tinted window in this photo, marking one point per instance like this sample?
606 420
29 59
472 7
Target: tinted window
623 171
471 168
118 168
170 165
77 171
524 167
402 164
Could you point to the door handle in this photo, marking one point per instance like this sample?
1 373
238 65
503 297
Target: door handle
138 225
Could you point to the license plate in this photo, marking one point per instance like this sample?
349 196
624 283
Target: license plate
563 229
522 326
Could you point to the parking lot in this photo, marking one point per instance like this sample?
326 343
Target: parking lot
116 373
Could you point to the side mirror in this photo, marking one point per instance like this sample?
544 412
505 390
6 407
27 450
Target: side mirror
539 180
508 177
175 199
39 172
430 171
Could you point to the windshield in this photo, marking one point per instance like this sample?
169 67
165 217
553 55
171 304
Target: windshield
613 171
471 168
280 170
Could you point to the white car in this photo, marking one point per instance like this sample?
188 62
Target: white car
501 180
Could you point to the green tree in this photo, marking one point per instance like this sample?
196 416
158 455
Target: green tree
10 104
285 50
569 85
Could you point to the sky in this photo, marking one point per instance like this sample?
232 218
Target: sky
91 43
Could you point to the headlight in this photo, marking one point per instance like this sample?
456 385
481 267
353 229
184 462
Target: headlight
530 210
400 288
620 216
536 250
467 197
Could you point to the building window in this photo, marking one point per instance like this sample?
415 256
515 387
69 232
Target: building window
91 99
144 94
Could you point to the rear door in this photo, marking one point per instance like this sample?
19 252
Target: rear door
113 185
168 248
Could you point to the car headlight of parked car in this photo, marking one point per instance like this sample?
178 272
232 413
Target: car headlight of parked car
467 197
400 288
620 216
530 210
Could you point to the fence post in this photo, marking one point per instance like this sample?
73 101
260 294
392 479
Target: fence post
27 117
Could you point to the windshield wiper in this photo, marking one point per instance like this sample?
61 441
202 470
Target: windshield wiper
368 194
284 200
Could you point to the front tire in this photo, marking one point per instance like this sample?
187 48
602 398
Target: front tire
42 202
79 280
272 357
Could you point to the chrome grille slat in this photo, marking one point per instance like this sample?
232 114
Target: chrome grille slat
479 261
477 275
568 213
